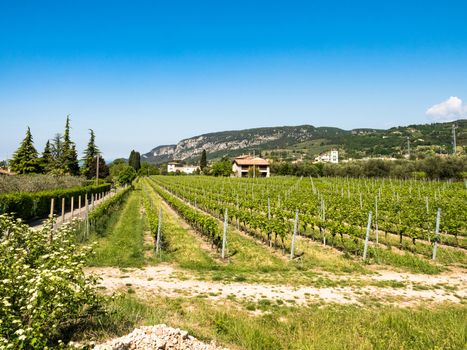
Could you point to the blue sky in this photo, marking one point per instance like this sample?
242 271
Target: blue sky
145 73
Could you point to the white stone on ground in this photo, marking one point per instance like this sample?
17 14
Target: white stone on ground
159 337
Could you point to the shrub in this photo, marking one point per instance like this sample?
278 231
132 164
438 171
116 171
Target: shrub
126 175
43 290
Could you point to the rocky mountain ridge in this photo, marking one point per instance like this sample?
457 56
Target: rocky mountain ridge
307 141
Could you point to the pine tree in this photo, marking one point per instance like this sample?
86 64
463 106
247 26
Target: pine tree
47 158
74 165
90 153
203 163
56 166
25 160
69 155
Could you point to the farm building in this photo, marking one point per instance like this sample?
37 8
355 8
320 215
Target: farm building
242 165
173 167
328 157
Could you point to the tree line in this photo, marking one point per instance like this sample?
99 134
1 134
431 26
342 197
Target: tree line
59 157
430 168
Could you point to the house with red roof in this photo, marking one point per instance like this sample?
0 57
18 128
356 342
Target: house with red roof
241 166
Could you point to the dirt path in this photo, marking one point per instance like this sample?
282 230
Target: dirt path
415 289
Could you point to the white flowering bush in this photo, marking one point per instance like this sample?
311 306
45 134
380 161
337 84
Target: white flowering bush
43 290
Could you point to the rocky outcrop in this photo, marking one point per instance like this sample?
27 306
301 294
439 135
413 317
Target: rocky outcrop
231 143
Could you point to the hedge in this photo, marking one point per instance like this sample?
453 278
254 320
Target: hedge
32 205
100 215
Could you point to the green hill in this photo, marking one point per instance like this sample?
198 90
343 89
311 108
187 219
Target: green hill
306 142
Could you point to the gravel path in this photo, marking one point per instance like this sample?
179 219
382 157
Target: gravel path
69 215
416 289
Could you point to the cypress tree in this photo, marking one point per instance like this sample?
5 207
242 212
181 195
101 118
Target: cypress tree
47 158
25 160
135 160
131 159
203 163
90 153
69 155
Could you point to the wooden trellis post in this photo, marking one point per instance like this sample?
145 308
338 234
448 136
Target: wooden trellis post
224 237
79 207
63 210
159 226
367 236
435 244
376 220
52 202
295 225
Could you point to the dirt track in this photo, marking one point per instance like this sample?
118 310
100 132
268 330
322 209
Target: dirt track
414 289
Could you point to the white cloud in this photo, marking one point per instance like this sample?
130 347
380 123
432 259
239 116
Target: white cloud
451 109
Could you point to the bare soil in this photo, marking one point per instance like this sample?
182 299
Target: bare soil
414 290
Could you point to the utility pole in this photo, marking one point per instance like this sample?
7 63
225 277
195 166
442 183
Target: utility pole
454 127
97 169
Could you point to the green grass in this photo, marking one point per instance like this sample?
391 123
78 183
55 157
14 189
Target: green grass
280 327
405 260
183 248
122 242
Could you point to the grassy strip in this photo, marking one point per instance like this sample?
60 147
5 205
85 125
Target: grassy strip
99 216
122 243
279 327
181 247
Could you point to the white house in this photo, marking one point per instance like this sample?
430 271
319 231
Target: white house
242 165
328 157
173 167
